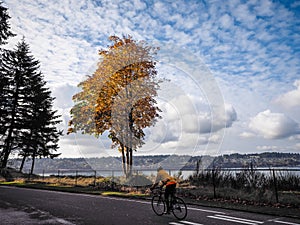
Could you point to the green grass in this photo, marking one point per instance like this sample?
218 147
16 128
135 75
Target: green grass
13 183
123 194
70 188
54 187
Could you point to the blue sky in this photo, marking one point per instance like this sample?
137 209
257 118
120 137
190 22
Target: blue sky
233 67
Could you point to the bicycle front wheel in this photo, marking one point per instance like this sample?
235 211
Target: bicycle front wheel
179 208
158 205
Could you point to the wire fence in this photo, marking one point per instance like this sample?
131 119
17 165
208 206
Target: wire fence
267 185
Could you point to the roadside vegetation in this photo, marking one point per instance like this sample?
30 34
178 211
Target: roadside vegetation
249 187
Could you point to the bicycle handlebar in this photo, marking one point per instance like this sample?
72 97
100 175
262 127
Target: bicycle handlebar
157 189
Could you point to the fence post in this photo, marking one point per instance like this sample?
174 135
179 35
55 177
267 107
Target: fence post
214 182
113 180
95 177
275 186
58 176
76 175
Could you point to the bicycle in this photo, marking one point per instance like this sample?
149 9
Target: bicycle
177 205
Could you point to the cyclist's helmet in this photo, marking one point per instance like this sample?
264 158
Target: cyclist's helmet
159 168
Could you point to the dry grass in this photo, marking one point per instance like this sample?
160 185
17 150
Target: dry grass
70 181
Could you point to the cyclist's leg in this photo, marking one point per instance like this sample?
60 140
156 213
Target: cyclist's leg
167 195
172 193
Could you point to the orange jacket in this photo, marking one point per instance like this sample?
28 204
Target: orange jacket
165 178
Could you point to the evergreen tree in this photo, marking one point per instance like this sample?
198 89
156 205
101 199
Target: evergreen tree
5 32
41 136
12 95
27 119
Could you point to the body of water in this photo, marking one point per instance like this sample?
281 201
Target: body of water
183 173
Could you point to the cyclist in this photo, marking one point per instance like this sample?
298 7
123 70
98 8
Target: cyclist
164 179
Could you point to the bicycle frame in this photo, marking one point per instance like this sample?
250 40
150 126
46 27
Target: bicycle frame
177 205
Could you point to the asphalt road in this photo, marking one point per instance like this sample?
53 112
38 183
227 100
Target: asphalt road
29 206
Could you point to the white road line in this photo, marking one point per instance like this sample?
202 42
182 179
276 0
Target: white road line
190 223
121 199
232 220
205 210
149 202
184 222
237 218
283 222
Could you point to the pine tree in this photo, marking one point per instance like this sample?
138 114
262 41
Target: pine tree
11 104
28 121
41 136
5 31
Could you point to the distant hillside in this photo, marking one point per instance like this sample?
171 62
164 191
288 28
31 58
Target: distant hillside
267 159
169 162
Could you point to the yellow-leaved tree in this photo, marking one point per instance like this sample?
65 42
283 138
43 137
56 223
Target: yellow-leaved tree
119 97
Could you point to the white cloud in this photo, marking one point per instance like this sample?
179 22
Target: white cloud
264 8
230 115
215 138
86 146
226 21
267 148
295 138
63 103
273 125
297 146
63 95
223 118
290 99
244 15
246 134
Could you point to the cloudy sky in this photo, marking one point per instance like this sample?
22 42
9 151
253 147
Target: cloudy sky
233 68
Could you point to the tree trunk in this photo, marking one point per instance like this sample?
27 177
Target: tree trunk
130 142
8 141
130 161
32 165
5 159
7 150
1 156
127 163
23 162
123 159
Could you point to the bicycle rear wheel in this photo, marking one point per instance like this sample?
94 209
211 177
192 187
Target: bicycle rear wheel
158 205
179 208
